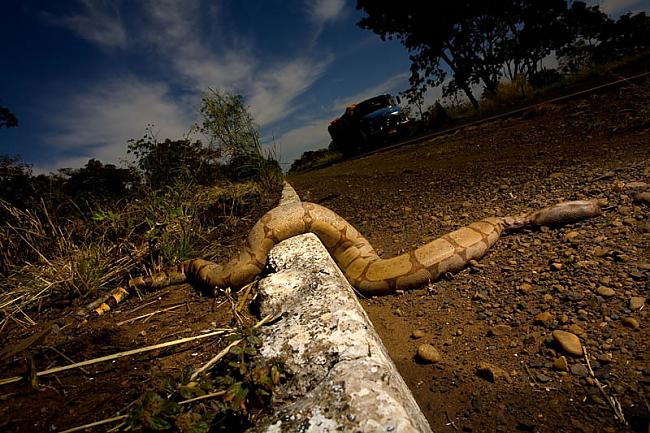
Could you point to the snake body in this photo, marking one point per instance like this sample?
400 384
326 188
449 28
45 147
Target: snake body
361 265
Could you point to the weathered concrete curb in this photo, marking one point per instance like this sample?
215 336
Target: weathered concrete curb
340 377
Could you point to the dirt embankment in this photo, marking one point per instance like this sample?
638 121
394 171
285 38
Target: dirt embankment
588 278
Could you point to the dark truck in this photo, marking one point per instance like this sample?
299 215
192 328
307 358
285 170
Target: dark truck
368 124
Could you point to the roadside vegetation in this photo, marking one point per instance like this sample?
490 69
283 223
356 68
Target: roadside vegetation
501 48
69 236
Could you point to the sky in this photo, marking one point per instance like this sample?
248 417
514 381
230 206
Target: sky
85 76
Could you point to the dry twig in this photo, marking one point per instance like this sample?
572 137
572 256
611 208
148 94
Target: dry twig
116 356
613 403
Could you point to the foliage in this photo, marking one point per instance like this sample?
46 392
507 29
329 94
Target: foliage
241 387
314 159
478 42
7 118
172 161
230 127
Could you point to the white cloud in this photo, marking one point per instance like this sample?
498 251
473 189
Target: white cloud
617 7
97 21
312 136
274 92
322 11
98 123
394 85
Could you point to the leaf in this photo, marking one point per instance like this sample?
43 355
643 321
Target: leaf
158 424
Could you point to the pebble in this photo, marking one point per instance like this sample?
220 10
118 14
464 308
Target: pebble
418 333
642 197
491 373
427 352
561 364
637 302
579 370
605 292
637 185
631 322
555 266
569 342
544 318
571 235
498 330
525 288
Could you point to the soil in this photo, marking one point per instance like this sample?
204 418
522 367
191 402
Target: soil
490 314
502 311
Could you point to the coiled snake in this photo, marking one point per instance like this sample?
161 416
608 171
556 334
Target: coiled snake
361 265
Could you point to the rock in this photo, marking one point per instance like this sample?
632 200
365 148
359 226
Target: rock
631 322
498 330
491 373
637 185
642 197
605 292
418 333
637 302
544 318
548 298
427 352
571 235
543 378
579 370
577 329
569 342
561 364
601 251
555 266
525 288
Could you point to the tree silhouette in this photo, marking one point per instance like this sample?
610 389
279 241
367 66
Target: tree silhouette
7 118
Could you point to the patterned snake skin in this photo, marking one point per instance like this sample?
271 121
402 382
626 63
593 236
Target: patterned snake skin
361 265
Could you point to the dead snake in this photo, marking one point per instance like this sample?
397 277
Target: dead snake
363 268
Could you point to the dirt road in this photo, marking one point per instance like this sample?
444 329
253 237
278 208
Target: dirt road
500 368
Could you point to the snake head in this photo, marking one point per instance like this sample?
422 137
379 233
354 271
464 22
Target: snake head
566 213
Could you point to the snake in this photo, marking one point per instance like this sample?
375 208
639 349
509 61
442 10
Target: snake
362 266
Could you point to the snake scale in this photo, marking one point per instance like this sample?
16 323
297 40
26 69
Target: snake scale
361 265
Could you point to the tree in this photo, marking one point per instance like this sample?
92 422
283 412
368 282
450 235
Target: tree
231 128
588 29
7 118
228 124
170 161
98 182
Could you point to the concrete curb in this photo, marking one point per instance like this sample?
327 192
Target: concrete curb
340 377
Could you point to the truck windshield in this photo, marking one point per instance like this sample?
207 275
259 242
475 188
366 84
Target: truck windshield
373 104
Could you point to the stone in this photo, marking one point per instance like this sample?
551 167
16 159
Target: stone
631 322
418 333
571 235
577 329
498 330
555 266
525 288
428 353
561 364
637 302
642 197
569 342
491 373
579 370
605 292
637 185
544 318
541 377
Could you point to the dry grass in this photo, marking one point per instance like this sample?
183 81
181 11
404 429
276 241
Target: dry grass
50 262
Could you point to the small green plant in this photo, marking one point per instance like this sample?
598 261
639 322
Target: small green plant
238 390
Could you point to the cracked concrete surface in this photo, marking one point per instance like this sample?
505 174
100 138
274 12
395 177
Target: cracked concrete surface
340 377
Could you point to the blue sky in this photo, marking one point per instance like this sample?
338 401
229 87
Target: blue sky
84 76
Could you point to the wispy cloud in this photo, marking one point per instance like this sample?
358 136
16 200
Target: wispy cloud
98 21
312 136
322 11
394 85
98 123
173 35
618 7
